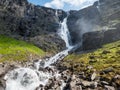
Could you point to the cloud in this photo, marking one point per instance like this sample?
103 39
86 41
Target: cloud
58 4
75 4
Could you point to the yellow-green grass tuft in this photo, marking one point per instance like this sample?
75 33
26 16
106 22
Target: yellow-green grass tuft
17 50
107 56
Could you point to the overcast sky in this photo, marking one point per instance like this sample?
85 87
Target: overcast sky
64 4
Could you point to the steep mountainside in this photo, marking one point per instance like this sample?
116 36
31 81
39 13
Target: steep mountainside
36 24
96 25
23 20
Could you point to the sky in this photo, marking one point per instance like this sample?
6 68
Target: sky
64 4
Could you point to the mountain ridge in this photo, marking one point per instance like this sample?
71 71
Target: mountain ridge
25 21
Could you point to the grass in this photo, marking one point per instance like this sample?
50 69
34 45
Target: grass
16 50
107 56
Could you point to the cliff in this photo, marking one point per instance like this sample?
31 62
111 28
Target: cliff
35 24
38 25
95 25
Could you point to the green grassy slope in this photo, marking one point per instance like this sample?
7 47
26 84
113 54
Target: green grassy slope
100 59
16 50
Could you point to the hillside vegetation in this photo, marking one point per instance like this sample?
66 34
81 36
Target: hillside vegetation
16 50
108 55
105 59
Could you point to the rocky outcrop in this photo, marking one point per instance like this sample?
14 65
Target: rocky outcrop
109 9
95 25
23 20
94 40
82 21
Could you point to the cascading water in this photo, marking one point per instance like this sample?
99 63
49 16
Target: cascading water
98 6
31 78
64 33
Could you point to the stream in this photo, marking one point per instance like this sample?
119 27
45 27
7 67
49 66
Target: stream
38 75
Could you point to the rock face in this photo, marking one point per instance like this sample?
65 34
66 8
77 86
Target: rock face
96 25
82 21
36 24
94 40
23 20
109 9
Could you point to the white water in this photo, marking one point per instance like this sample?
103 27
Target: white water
64 33
98 7
22 79
30 78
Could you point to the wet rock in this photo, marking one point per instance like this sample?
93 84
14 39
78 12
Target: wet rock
4 68
2 84
42 63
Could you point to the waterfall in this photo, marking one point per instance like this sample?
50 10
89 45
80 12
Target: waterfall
30 78
98 6
56 13
64 32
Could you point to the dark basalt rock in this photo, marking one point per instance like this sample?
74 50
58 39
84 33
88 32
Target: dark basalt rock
94 40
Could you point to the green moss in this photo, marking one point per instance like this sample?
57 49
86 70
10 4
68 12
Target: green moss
108 55
16 50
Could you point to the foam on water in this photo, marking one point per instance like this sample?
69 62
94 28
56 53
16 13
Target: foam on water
22 79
